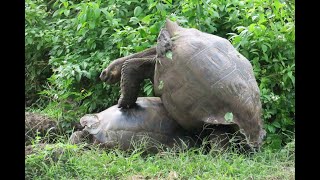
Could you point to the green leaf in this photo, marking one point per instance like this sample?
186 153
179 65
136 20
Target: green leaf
83 18
93 45
265 57
134 20
79 26
66 12
59 52
65 4
80 39
147 19
29 40
291 77
77 69
154 29
115 23
137 11
160 85
169 54
149 92
228 117
78 77
96 13
108 15
148 89
56 13
276 143
221 7
276 124
277 4
153 5
168 1
216 14
252 27
87 74
85 65
143 33
104 30
264 48
271 128
38 46
162 9
92 25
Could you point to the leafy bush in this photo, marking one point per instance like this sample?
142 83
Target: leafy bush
70 42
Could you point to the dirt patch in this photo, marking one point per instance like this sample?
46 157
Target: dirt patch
42 125
173 175
35 121
38 124
31 149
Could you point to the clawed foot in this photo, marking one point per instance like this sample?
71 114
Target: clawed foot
124 104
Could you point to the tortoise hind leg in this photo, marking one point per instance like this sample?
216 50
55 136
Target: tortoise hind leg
133 72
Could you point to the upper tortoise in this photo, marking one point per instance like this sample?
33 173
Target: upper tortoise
200 78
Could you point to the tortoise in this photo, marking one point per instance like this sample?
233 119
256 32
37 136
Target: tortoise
119 127
201 79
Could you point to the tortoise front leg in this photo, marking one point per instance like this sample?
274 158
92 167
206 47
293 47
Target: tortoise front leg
133 72
112 74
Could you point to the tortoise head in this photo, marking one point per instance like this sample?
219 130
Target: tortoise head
112 74
91 123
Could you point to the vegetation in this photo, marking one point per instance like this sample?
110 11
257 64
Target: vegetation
68 44
65 161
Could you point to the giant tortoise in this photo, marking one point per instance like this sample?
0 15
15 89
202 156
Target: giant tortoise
119 127
148 120
201 79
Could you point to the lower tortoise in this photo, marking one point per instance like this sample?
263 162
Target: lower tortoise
148 120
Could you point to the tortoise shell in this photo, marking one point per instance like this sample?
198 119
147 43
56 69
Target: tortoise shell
201 78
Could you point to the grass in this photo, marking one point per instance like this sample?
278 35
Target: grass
66 161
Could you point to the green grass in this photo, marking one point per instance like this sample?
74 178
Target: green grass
65 161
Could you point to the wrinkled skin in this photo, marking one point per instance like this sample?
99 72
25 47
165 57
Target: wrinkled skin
131 79
142 62
205 78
